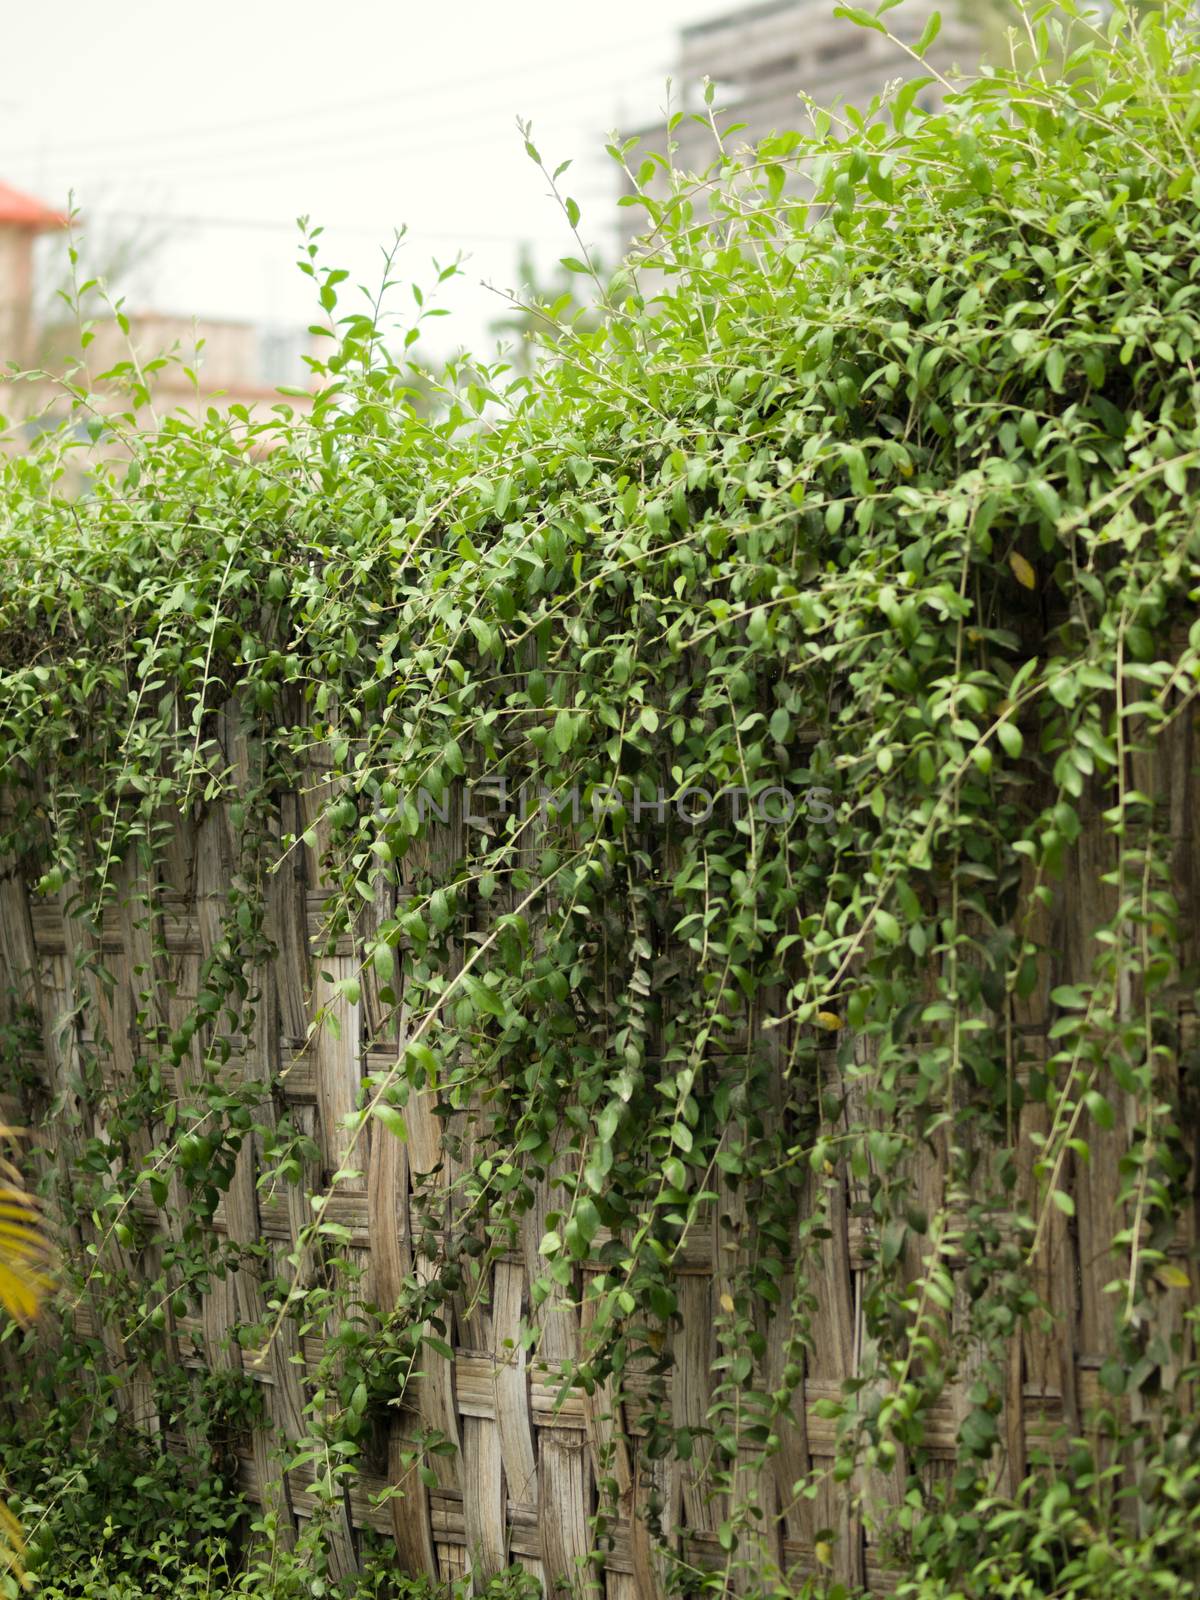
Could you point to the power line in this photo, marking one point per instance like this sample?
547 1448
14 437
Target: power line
273 225
227 167
528 220
363 149
583 183
277 119
365 141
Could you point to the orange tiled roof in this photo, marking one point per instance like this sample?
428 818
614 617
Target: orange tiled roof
23 211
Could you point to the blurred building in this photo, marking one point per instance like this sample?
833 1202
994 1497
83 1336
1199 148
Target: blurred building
207 361
196 362
22 219
761 58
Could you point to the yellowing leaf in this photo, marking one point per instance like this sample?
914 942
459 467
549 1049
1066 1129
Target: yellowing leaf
1022 571
823 1551
726 1302
829 1020
1173 1278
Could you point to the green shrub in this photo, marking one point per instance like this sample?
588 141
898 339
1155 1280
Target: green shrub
132 1524
888 493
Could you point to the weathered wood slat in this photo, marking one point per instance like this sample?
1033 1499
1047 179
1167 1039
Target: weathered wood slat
528 1462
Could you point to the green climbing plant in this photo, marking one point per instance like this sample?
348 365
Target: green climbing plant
800 612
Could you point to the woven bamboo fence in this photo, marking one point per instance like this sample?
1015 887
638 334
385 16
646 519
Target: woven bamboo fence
521 1484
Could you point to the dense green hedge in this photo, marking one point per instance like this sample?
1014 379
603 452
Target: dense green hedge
890 493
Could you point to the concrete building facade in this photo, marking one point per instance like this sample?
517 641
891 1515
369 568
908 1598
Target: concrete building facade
761 58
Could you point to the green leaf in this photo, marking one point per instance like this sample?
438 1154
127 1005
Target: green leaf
564 731
860 19
1099 1108
1045 497
587 1219
929 33
483 997
979 175
391 1120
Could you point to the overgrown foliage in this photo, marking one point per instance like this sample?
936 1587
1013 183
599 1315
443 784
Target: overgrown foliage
111 1522
879 479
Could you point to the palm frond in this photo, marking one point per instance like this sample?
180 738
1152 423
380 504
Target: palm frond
24 1281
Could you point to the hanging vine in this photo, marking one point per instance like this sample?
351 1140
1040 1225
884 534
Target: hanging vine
782 639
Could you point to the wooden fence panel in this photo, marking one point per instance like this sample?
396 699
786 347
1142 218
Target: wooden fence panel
523 1477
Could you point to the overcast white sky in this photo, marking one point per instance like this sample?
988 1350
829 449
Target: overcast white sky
362 113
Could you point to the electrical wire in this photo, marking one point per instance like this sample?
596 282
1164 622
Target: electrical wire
97 148
414 235
375 144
